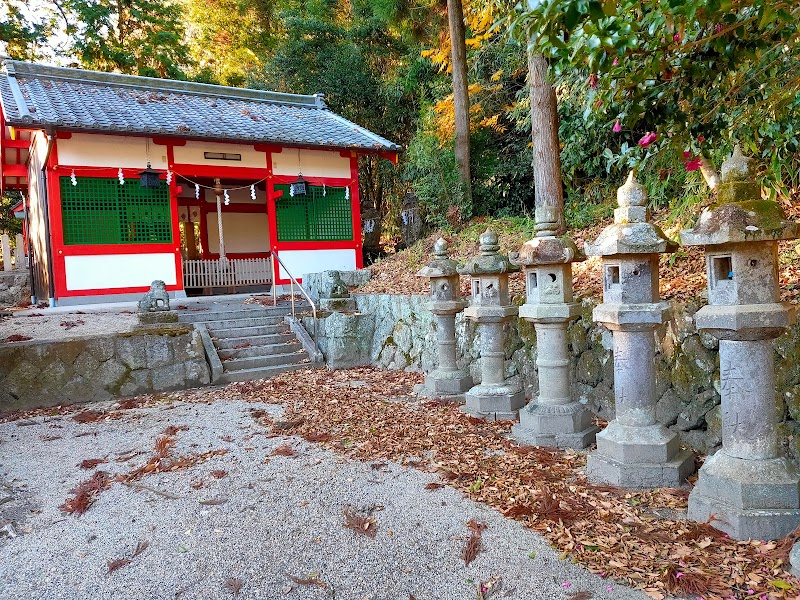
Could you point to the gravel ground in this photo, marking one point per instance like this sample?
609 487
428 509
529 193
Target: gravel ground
66 325
275 516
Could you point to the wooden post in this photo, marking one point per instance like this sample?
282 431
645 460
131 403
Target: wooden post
5 246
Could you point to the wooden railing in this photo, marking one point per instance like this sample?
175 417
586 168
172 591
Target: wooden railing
228 273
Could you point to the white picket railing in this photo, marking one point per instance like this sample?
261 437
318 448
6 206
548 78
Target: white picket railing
226 273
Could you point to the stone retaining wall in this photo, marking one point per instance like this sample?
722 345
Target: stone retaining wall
47 373
398 332
15 288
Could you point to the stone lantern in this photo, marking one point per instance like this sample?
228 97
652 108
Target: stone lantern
747 489
447 379
635 450
555 418
495 397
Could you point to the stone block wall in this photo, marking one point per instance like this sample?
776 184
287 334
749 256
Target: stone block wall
48 373
398 332
15 288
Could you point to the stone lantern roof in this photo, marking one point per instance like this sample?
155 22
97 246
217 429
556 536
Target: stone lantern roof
740 215
631 233
547 251
442 265
489 261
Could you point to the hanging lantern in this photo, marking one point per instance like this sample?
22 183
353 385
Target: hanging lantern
298 188
149 178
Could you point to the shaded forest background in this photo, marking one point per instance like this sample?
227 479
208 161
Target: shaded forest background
690 79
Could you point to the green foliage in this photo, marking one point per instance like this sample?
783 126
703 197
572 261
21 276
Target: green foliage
431 171
137 37
18 37
8 222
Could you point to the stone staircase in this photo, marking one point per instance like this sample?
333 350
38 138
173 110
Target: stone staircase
252 342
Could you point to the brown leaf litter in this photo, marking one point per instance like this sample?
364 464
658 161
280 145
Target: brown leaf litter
614 532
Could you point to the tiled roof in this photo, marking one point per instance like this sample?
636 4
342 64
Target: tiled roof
34 96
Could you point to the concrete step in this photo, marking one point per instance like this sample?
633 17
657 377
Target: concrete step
230 343
260 372
273 360
263 350
248 332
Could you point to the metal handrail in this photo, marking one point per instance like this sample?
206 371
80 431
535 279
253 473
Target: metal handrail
292 282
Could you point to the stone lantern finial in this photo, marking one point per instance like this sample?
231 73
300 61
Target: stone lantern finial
489 243
631 193
440 249
738 167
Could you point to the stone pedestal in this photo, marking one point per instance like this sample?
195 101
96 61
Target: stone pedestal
553 418
747 489
447 379
334 295
635 450
495 398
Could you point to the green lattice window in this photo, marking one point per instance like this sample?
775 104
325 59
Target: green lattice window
322 214
101 211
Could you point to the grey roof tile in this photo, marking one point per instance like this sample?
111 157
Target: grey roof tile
109 103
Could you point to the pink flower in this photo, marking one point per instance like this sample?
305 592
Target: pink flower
678 575
686 154
701 139
616 62
592 80
648 139
677 38
566 584
694 164
617 127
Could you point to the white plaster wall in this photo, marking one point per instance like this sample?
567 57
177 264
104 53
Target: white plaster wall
243 232
193 154
315 261
86 149
111 271
312 163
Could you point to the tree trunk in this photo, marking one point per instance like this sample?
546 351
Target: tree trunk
455 18
546 152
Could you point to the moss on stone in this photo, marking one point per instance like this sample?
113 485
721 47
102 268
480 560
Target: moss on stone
170 330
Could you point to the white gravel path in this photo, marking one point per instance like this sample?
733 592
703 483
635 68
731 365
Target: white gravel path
281 515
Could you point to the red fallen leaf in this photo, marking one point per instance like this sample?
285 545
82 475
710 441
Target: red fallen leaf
365 525
218 473
89 416
91 463
117 563
307 581
518 510
283 450
16 337
434 486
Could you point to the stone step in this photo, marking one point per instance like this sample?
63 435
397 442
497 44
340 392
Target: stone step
248 332
261 372
226 323
273 360
202 316
262 350
230 343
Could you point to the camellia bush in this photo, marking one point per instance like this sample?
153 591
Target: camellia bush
692 77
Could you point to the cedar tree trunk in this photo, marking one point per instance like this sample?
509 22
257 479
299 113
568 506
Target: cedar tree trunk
455 18
546 151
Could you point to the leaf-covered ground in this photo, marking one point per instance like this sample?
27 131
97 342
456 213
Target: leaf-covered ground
682 273
637 538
